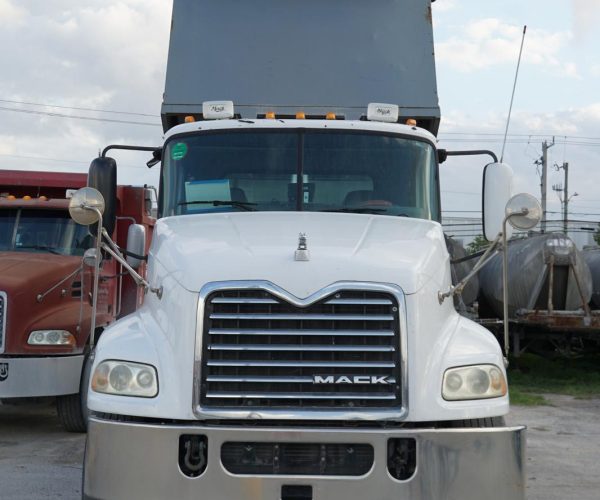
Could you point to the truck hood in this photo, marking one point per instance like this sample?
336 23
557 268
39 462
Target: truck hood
199 249
33 273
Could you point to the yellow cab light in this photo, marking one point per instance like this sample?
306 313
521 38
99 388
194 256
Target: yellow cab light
300 115
411 122
189 119
26 198
270 115
330 116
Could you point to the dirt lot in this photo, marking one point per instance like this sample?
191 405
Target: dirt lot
40 461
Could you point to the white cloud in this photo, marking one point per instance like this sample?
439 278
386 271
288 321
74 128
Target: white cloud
491 42
11 13
586 15
444 5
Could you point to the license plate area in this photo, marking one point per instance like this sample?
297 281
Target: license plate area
297 459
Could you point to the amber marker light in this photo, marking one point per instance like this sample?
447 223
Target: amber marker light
300 115
26 198
330 116
270 115
43 198
411 122
11 197
189 119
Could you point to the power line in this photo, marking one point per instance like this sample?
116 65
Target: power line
490 134
83 163
77 117
79 109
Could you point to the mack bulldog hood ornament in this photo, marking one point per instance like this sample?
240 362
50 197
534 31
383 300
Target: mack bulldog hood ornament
302 254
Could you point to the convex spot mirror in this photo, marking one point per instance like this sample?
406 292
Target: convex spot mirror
136 244
83 206
89 257
523 212
497 191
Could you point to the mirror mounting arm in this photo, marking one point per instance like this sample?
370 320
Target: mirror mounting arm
487 256
444 153
113 250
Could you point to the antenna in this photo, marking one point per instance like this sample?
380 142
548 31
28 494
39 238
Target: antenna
512 99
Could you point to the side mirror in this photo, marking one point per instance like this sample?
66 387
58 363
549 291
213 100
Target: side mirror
86 206
497 190
103 177
523 212
136 244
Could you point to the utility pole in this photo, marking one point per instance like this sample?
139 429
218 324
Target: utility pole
563 194
543 161
565 167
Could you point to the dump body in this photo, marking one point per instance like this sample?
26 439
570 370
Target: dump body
314 57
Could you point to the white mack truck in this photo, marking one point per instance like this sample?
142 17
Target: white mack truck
298 339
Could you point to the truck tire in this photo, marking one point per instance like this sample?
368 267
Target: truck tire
72 409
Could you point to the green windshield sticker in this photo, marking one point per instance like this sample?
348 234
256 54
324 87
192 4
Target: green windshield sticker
179 151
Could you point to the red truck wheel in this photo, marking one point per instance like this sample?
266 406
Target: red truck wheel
72 409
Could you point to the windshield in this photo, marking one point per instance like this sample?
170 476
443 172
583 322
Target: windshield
45 231
300 170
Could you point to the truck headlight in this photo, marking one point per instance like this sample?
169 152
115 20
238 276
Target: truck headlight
51 337
125 378
473 382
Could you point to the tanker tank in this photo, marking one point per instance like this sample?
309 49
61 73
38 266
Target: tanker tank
536 265
459 269
591 256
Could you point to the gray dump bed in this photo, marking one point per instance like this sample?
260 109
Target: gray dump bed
315 56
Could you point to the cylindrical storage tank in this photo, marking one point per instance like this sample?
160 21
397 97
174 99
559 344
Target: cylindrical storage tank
592 258
529 275
461 269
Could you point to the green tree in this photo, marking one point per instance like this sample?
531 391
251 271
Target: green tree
478 244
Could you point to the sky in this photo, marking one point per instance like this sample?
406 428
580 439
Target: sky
110 55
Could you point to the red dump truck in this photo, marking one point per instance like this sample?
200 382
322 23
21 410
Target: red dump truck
45 287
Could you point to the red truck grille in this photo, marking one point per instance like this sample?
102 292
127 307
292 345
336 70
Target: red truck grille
259 351
2 320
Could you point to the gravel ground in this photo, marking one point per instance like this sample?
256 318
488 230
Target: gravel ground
563 448
38 460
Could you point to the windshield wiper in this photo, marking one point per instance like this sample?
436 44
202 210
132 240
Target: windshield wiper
244 205
41 247
360 210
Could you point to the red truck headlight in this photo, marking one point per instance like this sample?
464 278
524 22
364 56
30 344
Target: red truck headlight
51 337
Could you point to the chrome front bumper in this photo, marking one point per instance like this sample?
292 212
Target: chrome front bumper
39 377
140 461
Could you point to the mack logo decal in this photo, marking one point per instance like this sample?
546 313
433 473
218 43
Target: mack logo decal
3 371
356 379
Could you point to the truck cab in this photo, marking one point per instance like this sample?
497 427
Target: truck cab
45 289
294 341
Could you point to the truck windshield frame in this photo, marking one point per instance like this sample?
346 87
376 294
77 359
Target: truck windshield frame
341 170
33 230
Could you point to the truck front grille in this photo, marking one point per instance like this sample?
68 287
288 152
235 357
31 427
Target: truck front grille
260 351
2 320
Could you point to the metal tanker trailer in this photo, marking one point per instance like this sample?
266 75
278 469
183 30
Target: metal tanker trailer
550 286
591 255
461 267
